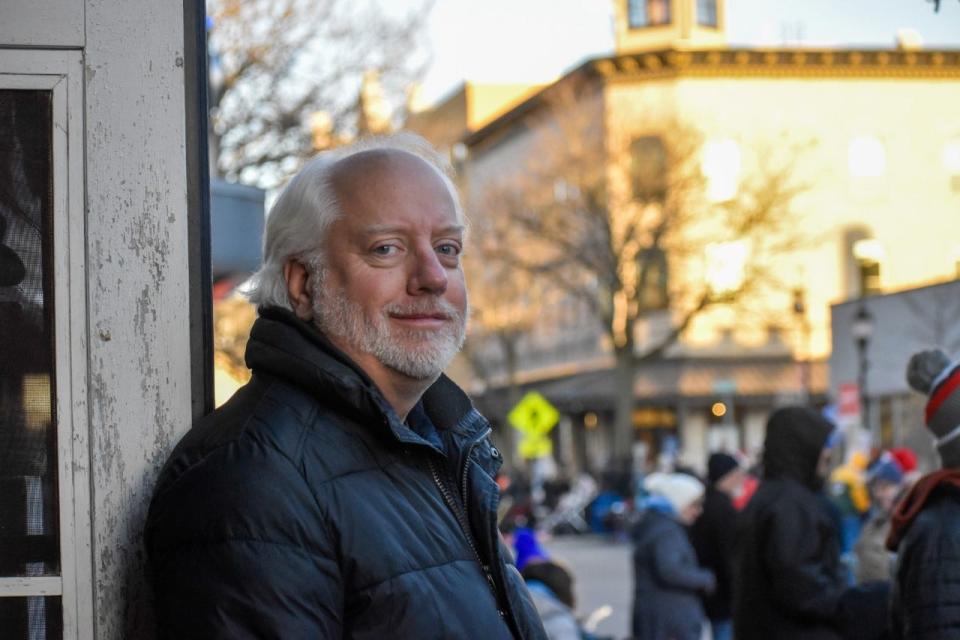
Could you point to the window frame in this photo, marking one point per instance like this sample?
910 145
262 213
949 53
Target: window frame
61 72
645 5
716 15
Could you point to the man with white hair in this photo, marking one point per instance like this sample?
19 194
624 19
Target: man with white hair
347 491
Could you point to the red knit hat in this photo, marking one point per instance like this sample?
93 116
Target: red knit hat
905 457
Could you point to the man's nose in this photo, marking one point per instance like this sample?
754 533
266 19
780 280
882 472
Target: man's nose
427 274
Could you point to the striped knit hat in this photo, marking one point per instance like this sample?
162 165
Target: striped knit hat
933 373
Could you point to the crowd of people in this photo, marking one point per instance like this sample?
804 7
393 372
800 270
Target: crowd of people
802 544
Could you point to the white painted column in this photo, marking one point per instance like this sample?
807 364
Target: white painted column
693 439
137 289
754 431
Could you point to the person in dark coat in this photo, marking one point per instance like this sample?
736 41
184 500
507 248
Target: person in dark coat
788 582
714 537
925 528
347 491
667 579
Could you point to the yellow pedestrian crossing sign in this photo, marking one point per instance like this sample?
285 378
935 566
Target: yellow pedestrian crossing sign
534 416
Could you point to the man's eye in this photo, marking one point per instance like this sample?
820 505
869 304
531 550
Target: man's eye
385 250
449 249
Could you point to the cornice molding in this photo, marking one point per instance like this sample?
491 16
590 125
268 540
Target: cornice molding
800 63
744 63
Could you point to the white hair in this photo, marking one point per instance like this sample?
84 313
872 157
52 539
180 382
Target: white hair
299 219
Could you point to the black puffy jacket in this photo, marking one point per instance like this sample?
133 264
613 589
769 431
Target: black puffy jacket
788 582
714 539
304 508
926 600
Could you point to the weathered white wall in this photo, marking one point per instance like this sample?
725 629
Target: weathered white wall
46 23
139 342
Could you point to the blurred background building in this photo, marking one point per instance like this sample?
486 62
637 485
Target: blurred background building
858 148
237 219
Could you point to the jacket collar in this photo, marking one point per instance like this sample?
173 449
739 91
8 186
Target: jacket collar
284 346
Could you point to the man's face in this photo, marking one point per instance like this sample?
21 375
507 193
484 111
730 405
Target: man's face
690 514
391 293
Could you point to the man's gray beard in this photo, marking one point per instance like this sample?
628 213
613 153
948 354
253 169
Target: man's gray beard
337 316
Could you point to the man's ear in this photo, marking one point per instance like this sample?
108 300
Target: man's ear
297 277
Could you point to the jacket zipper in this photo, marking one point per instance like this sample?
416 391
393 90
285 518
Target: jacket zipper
463 472
461 514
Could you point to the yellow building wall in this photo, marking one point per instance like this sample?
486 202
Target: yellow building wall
467 109
912 209
485 102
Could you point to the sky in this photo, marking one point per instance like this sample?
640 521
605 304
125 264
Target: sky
537 40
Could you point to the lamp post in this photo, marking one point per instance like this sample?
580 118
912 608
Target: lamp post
862 332
803 342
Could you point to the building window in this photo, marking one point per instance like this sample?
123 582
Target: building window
654 294
866 157
951 162
720 163
648 13
28 440
869 255
648 169
707 13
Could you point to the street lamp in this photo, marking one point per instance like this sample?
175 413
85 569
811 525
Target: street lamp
800 312
862 332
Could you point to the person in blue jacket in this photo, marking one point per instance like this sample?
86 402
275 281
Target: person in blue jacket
668 581
347 491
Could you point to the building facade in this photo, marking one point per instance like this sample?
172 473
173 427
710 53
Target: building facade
873 339
865 139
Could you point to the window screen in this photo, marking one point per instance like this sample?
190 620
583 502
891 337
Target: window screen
29 540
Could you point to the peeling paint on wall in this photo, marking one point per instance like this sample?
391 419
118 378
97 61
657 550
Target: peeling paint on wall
139 350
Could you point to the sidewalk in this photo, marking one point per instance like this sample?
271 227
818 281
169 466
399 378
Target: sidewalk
603 572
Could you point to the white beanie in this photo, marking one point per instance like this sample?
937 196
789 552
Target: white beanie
679 489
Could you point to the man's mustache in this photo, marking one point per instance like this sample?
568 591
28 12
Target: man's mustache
429 307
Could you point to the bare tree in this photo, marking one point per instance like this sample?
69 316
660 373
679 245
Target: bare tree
935 319
620 220
292 77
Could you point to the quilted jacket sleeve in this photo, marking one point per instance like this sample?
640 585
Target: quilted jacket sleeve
926 602
238 549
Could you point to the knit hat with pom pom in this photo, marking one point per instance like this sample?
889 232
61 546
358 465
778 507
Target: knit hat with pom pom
932 373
